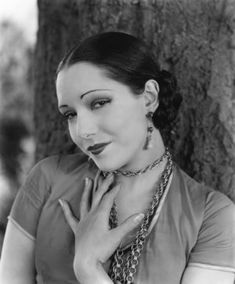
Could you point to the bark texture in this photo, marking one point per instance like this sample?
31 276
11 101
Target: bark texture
193 39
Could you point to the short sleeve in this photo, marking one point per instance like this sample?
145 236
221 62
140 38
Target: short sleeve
215 246
28 204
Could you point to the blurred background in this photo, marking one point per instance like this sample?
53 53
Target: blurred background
18 27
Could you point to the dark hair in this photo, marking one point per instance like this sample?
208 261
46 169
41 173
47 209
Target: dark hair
128 60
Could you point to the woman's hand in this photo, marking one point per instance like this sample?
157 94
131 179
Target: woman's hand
94 241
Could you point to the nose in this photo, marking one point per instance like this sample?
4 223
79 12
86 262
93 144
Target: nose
86 126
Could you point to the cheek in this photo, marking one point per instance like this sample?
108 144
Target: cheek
71 131
135 130
73 134
126 124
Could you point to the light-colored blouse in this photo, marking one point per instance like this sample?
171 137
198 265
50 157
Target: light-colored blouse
193 227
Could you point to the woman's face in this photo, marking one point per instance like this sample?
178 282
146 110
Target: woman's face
105 119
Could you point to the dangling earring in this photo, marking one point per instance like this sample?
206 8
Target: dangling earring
148 144
89 159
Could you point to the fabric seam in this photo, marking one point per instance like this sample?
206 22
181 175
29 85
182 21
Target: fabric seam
13 221
211 266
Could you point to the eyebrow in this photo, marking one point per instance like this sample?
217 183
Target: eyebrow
86 93
91 91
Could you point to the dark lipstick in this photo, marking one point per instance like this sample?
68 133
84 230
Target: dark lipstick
97 148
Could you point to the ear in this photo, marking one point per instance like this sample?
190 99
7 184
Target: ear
150 93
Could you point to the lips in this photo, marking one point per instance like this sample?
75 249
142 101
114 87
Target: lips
97 148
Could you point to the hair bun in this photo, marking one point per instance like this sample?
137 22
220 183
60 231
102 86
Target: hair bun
169 100
168 79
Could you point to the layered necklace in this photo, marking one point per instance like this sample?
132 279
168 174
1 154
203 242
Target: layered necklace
125 260
129 173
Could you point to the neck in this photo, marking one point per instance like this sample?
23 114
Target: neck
142 160
144 157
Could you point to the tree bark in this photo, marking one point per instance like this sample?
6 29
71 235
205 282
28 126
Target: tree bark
195 40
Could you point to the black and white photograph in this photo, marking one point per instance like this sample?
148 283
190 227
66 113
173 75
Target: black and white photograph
117 142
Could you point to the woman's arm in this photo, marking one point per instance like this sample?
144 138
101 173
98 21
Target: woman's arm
197 275
17 260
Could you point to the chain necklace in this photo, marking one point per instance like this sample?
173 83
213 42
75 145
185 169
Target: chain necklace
129 173
125 260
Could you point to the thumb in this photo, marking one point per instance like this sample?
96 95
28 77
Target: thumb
71 220
128 225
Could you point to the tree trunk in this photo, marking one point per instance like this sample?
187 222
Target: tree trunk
193 39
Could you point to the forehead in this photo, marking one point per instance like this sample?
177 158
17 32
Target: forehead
83 76
73 81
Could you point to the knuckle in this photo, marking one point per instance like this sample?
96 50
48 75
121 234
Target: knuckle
83 198
106 198
105 201
109 179
67 214
103 189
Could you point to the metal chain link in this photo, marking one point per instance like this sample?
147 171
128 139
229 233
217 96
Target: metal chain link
129 173
125 261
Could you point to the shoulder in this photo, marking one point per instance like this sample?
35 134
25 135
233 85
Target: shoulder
62 161
62 176
53 166
202 204
218 218
209 198
211 217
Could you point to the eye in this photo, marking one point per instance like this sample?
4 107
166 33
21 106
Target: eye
69 115
99 103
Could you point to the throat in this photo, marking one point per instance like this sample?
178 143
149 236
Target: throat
136 193
148 166
141 185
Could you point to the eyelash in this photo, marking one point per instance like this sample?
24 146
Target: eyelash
68 115
102 102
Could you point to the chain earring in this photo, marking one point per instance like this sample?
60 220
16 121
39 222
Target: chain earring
89 159
148 142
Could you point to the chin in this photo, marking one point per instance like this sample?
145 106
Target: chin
107 166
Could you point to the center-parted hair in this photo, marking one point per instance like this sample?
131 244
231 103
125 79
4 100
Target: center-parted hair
128 60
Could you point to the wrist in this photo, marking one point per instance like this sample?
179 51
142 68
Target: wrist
91 273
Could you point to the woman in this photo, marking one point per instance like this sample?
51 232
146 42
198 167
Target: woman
129 215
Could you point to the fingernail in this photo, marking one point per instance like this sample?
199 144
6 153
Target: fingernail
61 203
87 180
139 218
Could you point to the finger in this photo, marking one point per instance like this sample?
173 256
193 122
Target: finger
85 200
104 187
127 226
108 199
97 183
96 194
97 177
71 220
